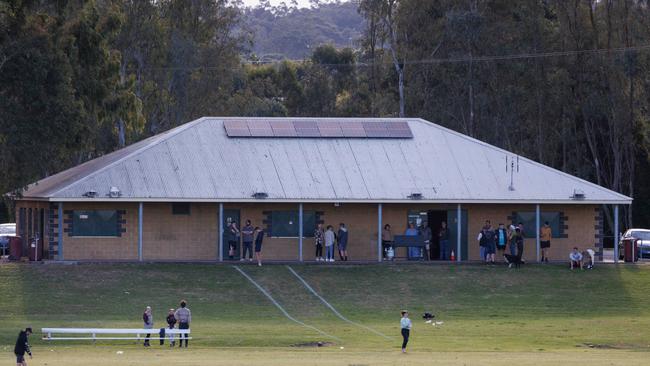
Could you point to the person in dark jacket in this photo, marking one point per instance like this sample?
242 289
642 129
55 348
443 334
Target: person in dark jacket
343 242
233 240
22 347
248 236
259 238
171 323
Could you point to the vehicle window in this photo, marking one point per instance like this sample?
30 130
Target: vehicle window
643 235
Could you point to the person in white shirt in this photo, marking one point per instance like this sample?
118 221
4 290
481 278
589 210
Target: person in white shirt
576 258
405 322
330 239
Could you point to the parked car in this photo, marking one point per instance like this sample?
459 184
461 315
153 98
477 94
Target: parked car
643 237
6 230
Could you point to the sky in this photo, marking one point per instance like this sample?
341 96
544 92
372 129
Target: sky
301 3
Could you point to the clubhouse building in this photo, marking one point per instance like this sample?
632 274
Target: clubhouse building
170 197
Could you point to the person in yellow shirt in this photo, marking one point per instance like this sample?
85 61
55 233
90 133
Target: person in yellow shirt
545 235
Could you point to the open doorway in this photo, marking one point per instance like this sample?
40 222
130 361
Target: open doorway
435 219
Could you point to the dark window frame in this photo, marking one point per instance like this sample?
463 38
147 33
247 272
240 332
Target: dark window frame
181 208
84 229
556 221
279 229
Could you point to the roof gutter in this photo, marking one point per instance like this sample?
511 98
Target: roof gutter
272 200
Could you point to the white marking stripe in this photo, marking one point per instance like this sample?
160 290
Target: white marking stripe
336 311
262 290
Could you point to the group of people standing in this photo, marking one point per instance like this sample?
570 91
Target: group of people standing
508 242
430 250
328 238
248 235
182 316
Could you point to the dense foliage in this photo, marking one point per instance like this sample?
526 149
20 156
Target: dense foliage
563 82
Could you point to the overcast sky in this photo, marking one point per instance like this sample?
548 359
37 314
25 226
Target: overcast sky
301 3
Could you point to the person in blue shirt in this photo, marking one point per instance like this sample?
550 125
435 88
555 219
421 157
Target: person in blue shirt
414 252
406 325
502 239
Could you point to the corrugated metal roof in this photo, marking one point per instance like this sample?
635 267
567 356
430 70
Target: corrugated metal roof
198 161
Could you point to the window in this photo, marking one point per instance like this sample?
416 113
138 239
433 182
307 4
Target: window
180 208
285 223
528 219
94 223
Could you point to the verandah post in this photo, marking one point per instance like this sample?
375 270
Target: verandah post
379 230
300 231
459 218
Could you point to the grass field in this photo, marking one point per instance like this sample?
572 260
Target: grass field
491 315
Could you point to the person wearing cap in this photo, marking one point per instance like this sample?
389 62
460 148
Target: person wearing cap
22 347
171 322
406 325
184 317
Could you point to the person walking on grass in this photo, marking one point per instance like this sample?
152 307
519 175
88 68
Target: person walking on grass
406 325
319 240
443 236
184 317
330 239
247 237
171 323
545 234
22 347
343 242
259 238
147 318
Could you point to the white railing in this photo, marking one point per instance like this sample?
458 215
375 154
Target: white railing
50 334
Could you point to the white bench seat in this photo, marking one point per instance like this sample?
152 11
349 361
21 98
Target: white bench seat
93 334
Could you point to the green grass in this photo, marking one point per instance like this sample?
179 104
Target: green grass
490 314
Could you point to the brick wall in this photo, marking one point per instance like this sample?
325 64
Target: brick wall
195 236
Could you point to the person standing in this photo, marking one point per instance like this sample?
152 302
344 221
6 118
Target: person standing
343 242
147 318
414 252
426 233
511 241
406 325
501 239
184 317
171 323
233 240
443 237
386 240
522 237
259 238
545 235
330 239
22 347
247 238
319 240
487 242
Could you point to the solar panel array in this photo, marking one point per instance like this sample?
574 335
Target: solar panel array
317 128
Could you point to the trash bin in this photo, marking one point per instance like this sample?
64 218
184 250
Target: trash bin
630 247
15 248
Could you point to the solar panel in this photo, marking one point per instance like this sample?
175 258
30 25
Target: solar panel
236 128
317 128
353 129
260 128
399 130
283 129
376 129
329 129
306 129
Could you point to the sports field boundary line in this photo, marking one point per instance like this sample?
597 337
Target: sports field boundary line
333 309
268 296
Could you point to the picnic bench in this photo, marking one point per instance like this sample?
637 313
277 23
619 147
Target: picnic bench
408 241
94 334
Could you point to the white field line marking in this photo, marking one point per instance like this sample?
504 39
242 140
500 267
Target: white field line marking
336 311
262 290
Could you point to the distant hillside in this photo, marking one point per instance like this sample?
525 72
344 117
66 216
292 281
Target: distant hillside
292 33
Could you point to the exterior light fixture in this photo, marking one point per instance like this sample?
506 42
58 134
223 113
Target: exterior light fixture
415 196
260 195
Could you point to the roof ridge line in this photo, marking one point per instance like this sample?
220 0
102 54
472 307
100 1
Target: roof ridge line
169 133
536 163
